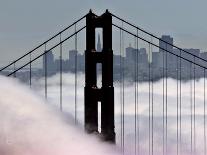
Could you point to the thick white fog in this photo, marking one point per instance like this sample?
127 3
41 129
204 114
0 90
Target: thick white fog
31 125
143 101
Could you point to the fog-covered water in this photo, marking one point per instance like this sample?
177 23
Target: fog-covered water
30 126
65 120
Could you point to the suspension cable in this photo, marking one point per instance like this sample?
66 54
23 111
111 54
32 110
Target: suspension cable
135 97
180 85
30 71
194 115
152 102
121 89
180 105
163 101
41 45
138 143
76 55
149 99
14 68
47 51
166 72
191 111
61 89
45 70
204 112
177 107
150 34
172 53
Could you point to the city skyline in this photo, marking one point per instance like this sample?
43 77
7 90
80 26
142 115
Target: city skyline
17 37
132 56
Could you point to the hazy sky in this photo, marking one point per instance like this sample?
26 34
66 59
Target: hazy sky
25 23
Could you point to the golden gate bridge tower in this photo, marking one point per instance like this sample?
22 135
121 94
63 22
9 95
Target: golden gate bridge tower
105 94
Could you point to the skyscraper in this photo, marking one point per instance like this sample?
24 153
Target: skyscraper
48 61
166 43
98 48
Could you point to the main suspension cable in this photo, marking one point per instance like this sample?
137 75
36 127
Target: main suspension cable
46 51
41 45
172 53
14 68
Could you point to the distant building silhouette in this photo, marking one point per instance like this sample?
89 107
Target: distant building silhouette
72 56
49 63
98 48
165 55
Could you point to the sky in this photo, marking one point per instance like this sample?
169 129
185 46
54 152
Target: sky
26 23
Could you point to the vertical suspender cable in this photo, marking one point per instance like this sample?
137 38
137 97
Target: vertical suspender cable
152 102
138 143
177 106
61 108
30 70
163 101
191 111
180 105
120 49
204 112
166 72
76 75
123 89
149 98
194 117
45 70
120 85
135 99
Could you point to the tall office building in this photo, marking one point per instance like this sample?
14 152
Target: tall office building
98 48
72 57
166 43
48 62
130 53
